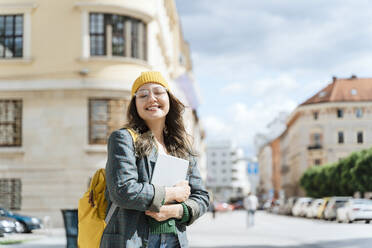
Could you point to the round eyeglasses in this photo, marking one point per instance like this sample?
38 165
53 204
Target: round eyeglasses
144 95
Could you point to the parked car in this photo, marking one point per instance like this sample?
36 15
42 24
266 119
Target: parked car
274 208
289 205
28 223
354 210
297 208
341 214
7 225
305 207
312 211
334 203
238 205
223 206
320 214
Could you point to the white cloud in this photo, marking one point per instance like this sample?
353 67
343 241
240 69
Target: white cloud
256 58
216 127
242 122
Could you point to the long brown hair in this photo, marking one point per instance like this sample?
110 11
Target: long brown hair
176 139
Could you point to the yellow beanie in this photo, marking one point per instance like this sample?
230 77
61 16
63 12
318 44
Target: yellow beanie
149 77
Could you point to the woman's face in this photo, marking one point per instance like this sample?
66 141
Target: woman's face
152 102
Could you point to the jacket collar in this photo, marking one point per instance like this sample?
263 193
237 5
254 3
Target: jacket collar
151 161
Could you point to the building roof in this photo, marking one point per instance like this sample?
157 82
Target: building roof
351 89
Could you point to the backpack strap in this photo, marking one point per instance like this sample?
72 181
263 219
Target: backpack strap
113 205
110 213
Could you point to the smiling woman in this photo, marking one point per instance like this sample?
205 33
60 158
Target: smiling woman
151 215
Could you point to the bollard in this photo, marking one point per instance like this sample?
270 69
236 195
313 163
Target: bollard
70 219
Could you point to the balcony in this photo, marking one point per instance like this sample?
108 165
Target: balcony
315 147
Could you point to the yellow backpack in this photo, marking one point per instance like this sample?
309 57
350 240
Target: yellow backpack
92 210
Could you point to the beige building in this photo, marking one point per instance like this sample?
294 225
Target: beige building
66 68
328 126
265 185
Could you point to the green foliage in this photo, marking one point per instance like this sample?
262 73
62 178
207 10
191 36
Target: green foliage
361 173
343 178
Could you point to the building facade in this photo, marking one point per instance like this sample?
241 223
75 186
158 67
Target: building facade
66 72
227 175
325 128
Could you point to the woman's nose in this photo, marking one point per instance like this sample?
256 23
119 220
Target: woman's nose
151 97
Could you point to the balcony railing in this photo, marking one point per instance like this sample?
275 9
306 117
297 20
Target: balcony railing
314 147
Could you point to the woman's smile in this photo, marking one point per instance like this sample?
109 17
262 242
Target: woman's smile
153 107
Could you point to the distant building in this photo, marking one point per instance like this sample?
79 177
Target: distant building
325 128
66 71
226 171
253 174
266 172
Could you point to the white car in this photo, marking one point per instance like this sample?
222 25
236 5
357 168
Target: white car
334 203
355 209
305 207
341 214
312 211
300 203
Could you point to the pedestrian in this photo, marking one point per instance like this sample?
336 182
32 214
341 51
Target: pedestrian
213 209
151 215
250 204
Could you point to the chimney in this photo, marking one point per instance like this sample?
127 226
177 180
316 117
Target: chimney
334 78
353 76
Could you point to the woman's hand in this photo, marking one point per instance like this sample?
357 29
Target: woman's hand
179 192
167 212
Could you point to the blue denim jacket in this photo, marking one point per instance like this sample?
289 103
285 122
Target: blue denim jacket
128 185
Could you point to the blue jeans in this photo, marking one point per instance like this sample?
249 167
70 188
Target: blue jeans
164 240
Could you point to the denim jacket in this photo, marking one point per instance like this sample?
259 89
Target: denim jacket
128 185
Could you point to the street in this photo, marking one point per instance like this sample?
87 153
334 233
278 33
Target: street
228 230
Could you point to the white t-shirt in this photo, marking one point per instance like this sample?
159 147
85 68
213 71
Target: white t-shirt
250 202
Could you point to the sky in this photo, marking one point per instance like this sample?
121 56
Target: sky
254 59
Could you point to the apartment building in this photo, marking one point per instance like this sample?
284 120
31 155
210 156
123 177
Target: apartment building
66 70
227 175
328 126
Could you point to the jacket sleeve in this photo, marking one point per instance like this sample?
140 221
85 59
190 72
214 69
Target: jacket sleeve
198 201
122 176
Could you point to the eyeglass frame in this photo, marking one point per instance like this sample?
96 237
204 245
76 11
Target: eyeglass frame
150 91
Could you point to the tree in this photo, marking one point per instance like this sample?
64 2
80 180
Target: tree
361 173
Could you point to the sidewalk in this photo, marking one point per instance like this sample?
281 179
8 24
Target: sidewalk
52 238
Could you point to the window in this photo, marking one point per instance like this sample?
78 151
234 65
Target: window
317 162
97 35
117 35
340 113
340 137
317 139
315 115
11 193
11 36
360 137
10 122
358 113
105 116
